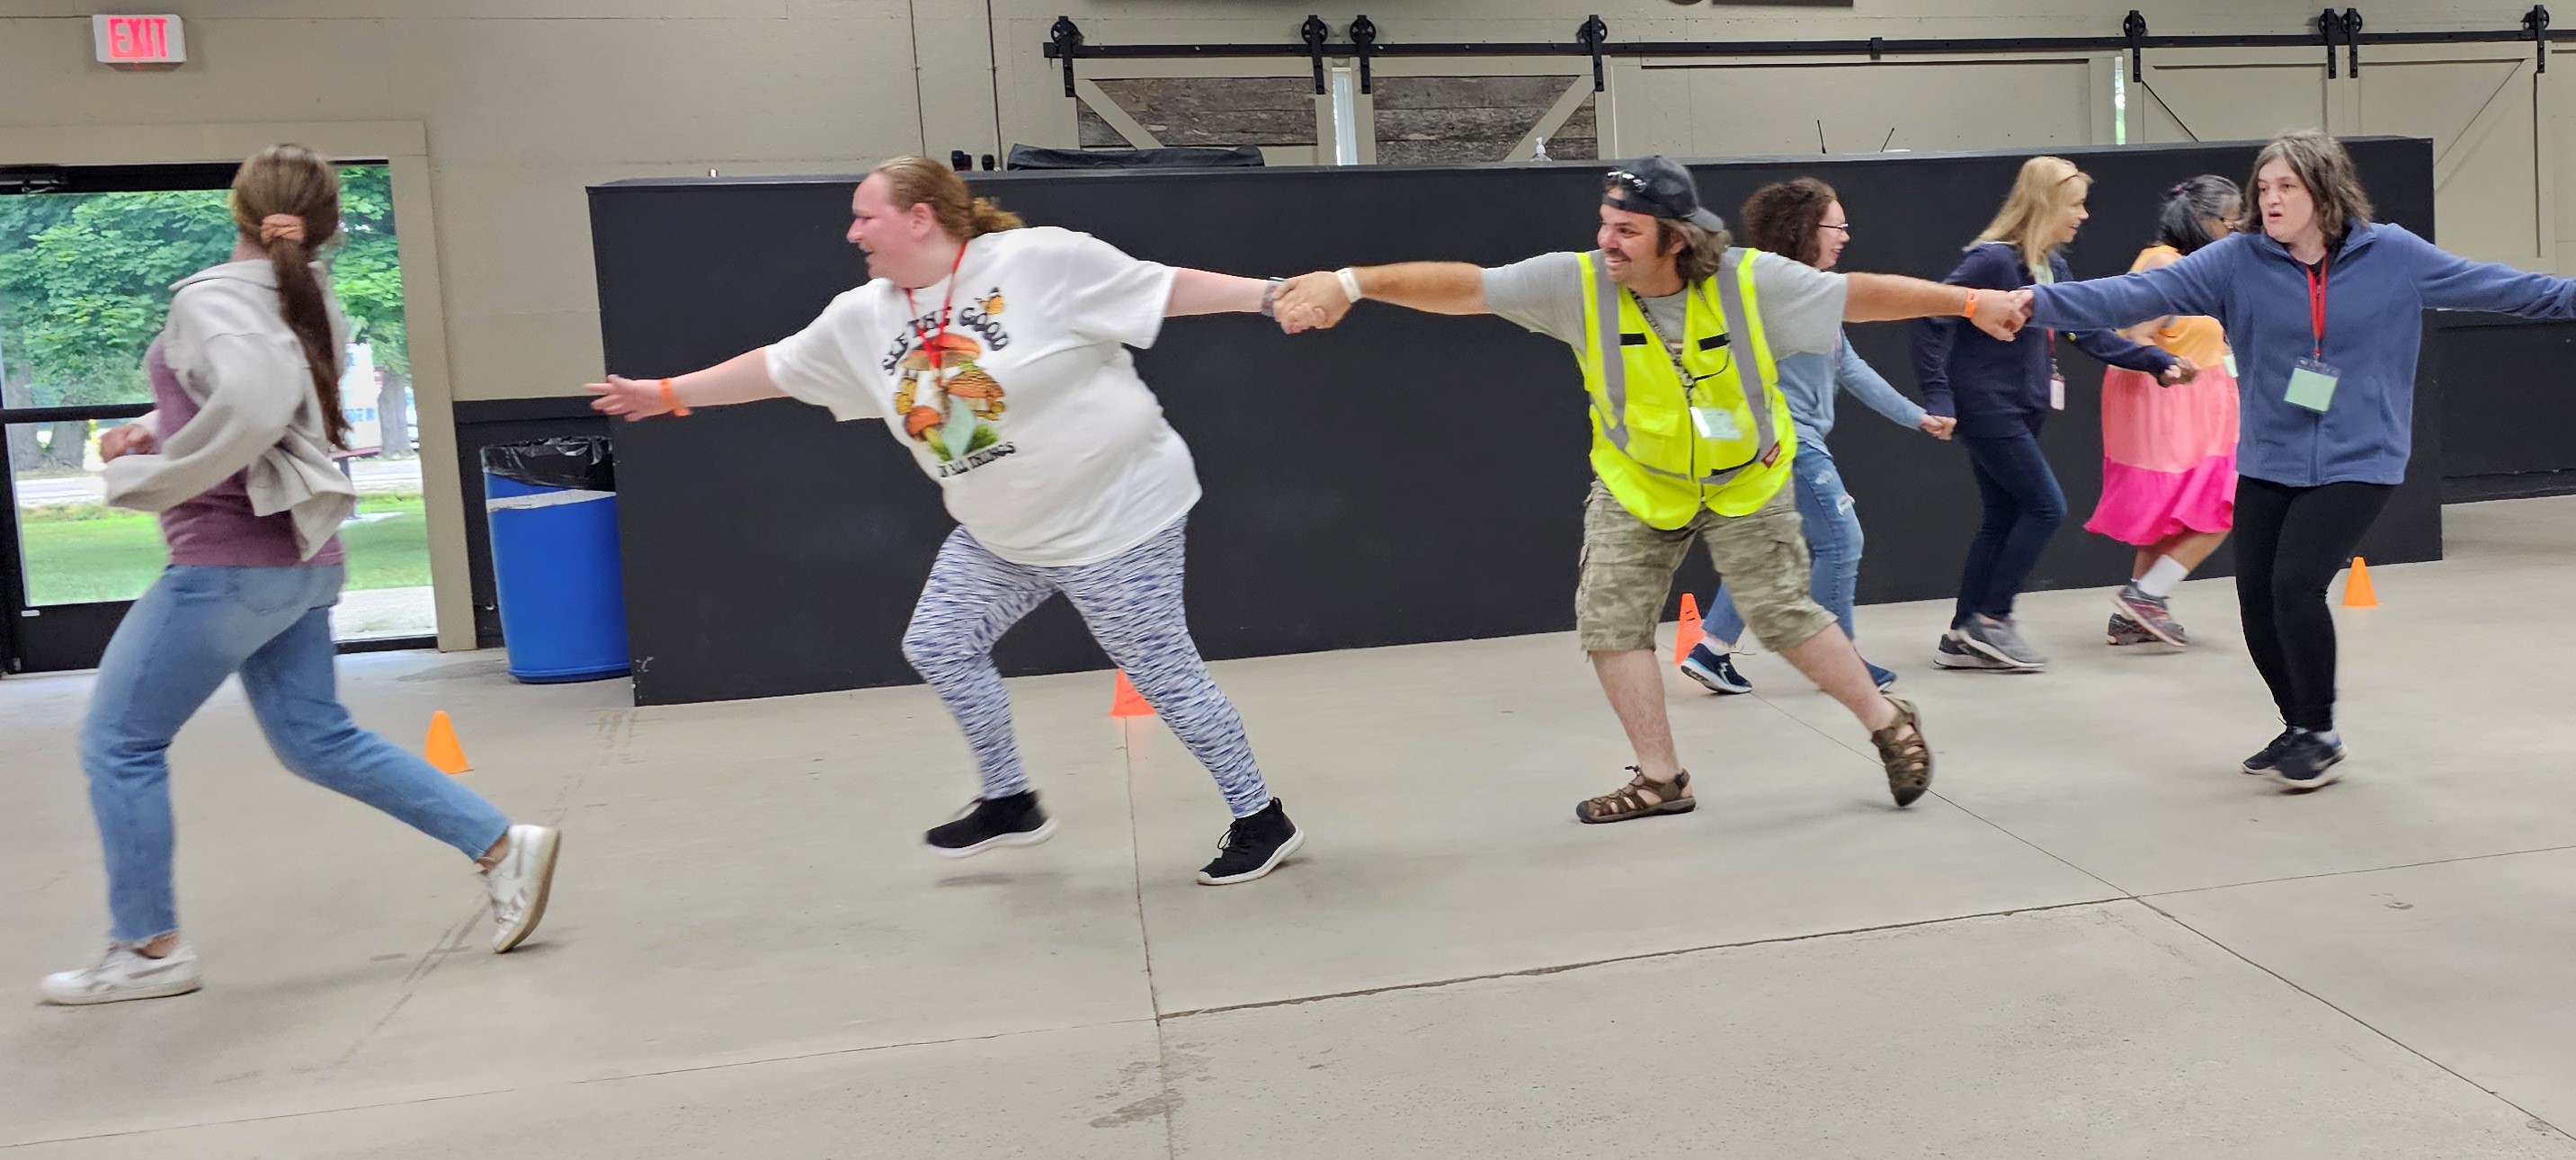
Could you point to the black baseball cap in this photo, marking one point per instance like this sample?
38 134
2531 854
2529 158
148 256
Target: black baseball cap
1660 187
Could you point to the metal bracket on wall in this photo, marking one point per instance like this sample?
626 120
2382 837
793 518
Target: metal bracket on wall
2135 28
1064 42
2537 21
1364 38
2352 42
2328 24
1316 33
1592 35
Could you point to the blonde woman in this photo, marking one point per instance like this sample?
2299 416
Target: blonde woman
2002 393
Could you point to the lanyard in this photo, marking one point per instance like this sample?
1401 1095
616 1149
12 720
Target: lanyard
2317 304
929 341
1671 349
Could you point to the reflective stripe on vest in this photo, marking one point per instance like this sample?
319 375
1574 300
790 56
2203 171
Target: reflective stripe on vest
1747 365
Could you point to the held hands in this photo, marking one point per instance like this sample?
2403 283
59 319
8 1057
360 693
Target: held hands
1311 302
2182 371
1937 426
2001 313
632 398
130 439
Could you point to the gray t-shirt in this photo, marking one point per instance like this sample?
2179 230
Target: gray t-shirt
1802 306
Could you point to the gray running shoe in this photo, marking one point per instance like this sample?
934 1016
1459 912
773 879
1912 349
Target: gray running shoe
2151 613
2124 631
1954 653
1999 640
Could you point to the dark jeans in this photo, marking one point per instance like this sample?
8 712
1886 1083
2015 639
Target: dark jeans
2290 542
2023 509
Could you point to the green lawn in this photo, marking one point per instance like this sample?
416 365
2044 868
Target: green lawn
84 554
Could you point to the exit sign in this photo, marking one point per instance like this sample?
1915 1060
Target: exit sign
139 39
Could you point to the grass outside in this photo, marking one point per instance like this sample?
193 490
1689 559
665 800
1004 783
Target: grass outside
79 554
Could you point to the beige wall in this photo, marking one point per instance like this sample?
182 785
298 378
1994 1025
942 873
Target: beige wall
524 103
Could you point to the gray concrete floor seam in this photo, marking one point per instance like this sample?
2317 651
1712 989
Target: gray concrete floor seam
1647 956
2357 1020
2348 873
1165 1090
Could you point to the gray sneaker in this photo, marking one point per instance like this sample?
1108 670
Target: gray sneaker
1954 653
1998 640
2151 613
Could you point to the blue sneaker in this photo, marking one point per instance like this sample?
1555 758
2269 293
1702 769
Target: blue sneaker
1884 677
1715 671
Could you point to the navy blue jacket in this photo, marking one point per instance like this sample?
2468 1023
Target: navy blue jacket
1999 388
2378 286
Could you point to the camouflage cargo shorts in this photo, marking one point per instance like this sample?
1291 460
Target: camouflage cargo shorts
1628 571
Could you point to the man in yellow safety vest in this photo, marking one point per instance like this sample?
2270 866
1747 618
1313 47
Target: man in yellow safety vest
1676 332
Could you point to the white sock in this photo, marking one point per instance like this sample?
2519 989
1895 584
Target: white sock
2161 577
2330 737
1720 647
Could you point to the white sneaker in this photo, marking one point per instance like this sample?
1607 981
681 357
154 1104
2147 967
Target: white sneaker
124 973
519 883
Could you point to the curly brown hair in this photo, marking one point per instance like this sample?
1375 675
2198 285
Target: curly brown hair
1783 217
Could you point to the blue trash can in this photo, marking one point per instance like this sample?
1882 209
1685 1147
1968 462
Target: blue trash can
552 508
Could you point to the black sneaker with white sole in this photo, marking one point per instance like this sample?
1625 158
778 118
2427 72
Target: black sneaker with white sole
1253 846
2307 762
1003 821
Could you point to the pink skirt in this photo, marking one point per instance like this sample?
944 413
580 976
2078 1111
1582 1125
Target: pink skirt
2169 457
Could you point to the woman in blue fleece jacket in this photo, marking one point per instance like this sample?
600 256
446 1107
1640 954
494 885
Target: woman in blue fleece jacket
2325 311
2001 393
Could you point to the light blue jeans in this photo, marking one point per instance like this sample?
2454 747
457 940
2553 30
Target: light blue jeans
1832 528
195 627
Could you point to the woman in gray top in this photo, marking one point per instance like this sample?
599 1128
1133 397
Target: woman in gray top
1804 219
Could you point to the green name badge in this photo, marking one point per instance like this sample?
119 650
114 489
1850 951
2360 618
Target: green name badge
2231 364
2312 385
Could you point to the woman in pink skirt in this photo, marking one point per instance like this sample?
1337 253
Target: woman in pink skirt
2169 451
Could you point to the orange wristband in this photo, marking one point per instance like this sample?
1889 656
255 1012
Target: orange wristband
1968 311
673 398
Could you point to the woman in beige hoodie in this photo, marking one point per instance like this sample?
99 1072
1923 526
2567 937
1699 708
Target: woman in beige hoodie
236 459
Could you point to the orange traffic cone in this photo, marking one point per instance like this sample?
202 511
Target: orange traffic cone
1127 702
2356 587
1688 634
441 749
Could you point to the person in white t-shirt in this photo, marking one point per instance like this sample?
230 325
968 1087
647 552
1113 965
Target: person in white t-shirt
996 353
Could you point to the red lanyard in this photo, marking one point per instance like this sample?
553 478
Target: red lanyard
929 342
2317 304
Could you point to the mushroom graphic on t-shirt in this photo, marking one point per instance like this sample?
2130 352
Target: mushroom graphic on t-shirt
948 416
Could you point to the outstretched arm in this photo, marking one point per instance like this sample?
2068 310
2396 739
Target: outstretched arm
1436 287
743 378
1893 297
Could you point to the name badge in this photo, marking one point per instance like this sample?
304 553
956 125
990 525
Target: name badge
2057 392
2230 360
1715 423
2312 385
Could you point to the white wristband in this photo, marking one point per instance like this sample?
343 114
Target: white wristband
1350 284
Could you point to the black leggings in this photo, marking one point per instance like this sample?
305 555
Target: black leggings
2290 542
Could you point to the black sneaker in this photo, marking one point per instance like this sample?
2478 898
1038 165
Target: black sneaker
2307 762
1253 846
2270 755
1004 821
1714 670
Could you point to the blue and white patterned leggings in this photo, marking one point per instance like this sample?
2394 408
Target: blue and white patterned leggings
1132 603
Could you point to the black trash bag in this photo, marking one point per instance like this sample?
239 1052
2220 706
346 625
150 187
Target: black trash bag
1192 157
586 462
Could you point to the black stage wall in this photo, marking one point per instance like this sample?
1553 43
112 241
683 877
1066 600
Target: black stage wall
1403 478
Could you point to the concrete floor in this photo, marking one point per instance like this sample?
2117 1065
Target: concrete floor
2095 939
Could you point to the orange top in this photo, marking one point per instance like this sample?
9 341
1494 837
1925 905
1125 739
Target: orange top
2198 338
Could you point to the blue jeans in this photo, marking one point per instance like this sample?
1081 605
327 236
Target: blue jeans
2023 510
196 626
1832 528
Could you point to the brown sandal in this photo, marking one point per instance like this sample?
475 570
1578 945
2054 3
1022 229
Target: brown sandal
1908 758
1630 800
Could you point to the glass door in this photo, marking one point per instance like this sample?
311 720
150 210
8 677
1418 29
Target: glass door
87 259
